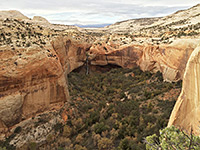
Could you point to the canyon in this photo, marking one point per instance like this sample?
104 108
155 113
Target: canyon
36 58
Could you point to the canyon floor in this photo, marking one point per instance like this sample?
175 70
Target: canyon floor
116 108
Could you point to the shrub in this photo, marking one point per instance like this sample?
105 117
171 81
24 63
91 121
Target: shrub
28 44
79 147
67 131
100 127
127 144
105 144
49 138
18 129
32 146
172 138
79 138
58 127
94 116
77 123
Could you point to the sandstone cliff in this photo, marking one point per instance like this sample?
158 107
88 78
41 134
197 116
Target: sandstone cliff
170 60
186 111
32 79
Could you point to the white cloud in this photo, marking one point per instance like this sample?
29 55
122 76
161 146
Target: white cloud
95 11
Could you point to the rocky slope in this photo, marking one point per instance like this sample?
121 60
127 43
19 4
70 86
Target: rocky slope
181 21
186 111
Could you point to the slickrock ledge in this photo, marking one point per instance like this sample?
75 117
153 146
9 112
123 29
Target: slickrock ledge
186 112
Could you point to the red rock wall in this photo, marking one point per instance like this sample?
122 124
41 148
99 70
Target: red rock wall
32 79
168 59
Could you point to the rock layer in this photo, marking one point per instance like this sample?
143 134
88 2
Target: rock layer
168 59
187 109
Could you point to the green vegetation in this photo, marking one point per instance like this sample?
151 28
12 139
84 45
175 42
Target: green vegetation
172 138
4 145
21 34
114 110
18 129
170 30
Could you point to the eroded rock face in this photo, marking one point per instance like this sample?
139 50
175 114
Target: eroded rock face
34 78
187 109
10 109
72 54
168 59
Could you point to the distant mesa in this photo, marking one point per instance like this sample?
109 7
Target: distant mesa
40 19
12 14
92 25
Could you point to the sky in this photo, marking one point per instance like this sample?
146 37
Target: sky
95 11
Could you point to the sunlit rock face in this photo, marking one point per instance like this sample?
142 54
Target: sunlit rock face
187 109
71 53
168 59
34 78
